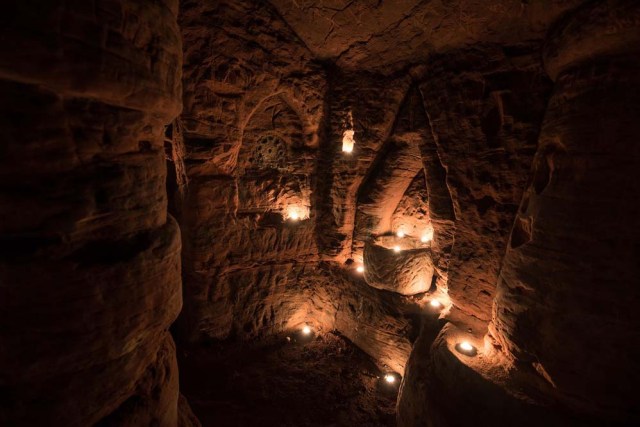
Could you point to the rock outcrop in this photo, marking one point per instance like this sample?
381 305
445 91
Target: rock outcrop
563 307
90 264
567 294
451 186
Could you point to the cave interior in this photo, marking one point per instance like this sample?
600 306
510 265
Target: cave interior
320 213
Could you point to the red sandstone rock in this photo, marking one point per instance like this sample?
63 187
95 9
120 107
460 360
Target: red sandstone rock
90 266
566 303
391 263
445 101
387 35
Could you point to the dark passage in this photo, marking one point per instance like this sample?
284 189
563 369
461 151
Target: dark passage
322 381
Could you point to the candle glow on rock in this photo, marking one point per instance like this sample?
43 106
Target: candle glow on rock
400 234
427 235
297 212
466 348
348 141
435 303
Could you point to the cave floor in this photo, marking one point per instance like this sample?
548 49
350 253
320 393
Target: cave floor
300 381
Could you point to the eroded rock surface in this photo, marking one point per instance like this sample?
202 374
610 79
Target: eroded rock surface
388 35
259 162
354 166
566 303
90 265
487 147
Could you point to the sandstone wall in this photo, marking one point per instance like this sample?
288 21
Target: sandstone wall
556 352
446 148
567 294
253 107
263 128
485 122
90 260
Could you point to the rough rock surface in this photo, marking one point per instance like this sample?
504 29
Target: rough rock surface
252 109
388 35
446 102
277 217
401 269
383 324
90 261
398 165
567 302
553 355
371 103
486 146
412 213
443 381
256 151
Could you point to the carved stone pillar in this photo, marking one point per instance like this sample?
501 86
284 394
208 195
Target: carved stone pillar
89 260
567 301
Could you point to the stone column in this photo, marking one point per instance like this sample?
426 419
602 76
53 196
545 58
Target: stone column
567 300
89 258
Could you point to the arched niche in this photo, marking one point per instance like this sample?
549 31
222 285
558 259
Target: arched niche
272 139
273 169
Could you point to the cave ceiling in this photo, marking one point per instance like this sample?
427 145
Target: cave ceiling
386 35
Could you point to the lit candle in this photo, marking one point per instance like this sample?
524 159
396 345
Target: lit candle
427 236
396 249
297 212
389 378
306 330
348 141
435 303
466 348
360 269
400 234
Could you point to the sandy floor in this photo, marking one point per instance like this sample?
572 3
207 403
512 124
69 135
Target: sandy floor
323 381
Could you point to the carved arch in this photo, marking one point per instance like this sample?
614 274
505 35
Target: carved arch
271 136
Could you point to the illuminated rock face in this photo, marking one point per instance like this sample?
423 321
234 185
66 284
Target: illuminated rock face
521 173
251 139
484 125
407 271
90 265
446 147
486 148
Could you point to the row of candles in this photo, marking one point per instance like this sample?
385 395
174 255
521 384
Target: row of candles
295 213
391 378
464 347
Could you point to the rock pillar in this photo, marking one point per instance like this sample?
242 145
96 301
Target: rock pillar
567 298
89 259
